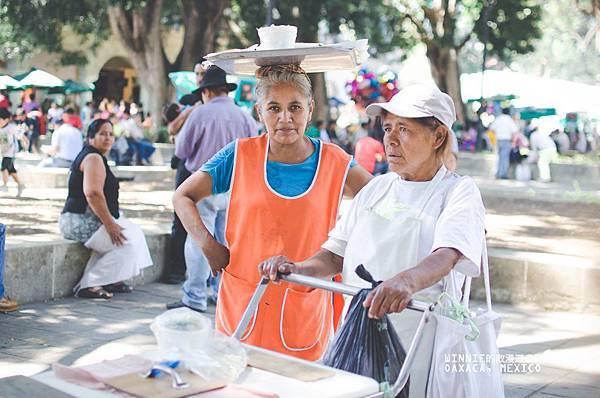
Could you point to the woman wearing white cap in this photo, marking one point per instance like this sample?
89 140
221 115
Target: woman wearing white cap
411 227
419 228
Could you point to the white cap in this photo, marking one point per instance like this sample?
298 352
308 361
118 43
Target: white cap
546 125
419 100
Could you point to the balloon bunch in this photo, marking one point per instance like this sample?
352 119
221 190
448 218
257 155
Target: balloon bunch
368 87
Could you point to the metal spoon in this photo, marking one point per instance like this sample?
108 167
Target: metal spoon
177 381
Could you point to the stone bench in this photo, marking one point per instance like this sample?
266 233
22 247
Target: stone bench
46 267
484 164
163 153
35 177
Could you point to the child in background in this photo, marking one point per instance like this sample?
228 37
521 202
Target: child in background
8 149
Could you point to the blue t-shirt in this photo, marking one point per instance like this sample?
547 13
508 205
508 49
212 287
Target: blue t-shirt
286 179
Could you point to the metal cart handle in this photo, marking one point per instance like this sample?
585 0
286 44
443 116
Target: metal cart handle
337 287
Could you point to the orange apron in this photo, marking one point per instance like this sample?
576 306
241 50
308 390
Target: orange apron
291 319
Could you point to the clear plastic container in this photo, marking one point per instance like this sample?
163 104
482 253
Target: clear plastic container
183 334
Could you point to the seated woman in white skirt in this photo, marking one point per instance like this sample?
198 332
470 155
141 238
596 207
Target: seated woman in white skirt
91 216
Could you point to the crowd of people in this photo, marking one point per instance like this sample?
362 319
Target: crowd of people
521 145
22 130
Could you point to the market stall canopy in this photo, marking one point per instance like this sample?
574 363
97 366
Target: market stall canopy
534 113
534 91
39 78
71 87
312 57
184 82
495 98
7 82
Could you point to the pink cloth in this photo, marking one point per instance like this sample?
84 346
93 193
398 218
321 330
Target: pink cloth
365 152
92 376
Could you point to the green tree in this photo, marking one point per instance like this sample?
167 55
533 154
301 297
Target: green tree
443 26
373 19
507 26
136 24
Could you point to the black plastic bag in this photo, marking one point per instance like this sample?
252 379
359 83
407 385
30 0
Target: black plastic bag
365 346
175 162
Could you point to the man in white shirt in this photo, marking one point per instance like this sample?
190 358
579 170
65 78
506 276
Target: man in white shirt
143 148
130 127
67 142
86 113
543 147
504 127
55 114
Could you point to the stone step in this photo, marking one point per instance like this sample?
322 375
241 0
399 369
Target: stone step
162 156
551 281
40 268
58 177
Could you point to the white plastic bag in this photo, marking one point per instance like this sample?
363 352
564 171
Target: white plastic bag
523 172
464 364
183 334
121 145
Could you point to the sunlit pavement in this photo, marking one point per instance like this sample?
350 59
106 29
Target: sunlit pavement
563 348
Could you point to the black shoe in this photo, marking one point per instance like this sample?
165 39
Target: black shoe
173 279
176 304
179 304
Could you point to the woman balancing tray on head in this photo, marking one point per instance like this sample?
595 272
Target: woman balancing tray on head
278 182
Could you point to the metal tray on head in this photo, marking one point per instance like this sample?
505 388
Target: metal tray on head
312 57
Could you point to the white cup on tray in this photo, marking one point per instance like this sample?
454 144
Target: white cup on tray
276 37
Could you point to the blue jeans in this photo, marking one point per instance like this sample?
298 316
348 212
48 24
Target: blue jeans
504 147
175 266
212 211
144 150
2 239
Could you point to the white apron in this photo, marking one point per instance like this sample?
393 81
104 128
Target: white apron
387 245
110 263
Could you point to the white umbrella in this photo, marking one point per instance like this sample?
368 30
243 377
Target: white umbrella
40 78
8 82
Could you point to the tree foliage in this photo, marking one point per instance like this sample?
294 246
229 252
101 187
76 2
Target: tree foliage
445 27
567 49
376 20
40 24
27 25
137 25
513 27
510 27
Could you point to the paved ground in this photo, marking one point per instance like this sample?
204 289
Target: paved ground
566 346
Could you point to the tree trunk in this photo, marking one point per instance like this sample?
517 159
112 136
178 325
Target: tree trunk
446 73
317 80
153 77
321 111
201 20
139 32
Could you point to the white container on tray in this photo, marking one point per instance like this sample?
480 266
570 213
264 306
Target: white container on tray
276 37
